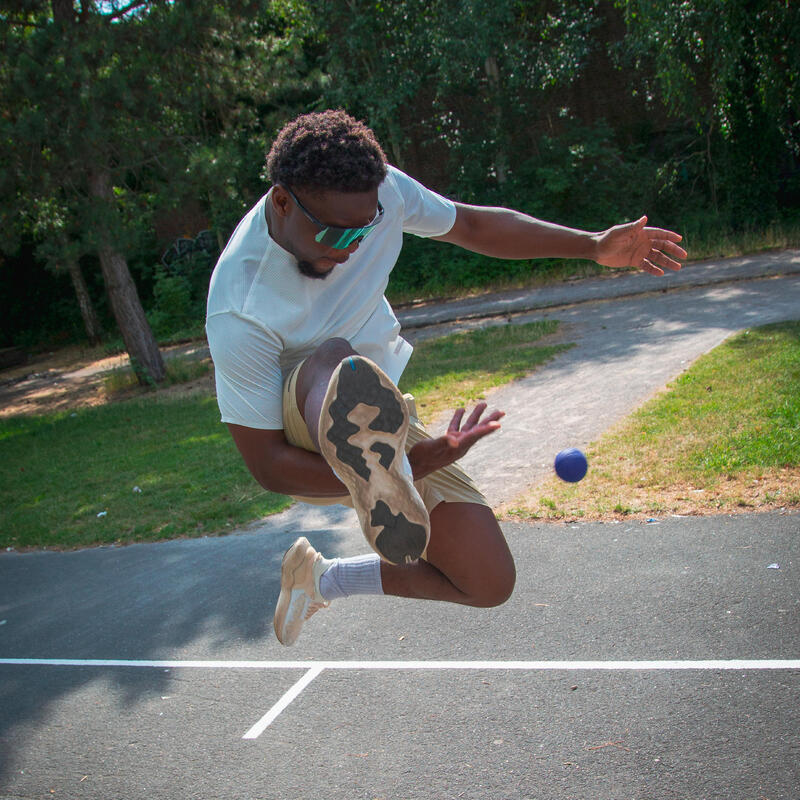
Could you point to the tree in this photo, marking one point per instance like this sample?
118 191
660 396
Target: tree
105 106
458 90
466 95
59 246
63 84
732 71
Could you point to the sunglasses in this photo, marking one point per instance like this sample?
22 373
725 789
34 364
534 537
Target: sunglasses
330 235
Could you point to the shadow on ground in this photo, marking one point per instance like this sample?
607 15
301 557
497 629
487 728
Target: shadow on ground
198 599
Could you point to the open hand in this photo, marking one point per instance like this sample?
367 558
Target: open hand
432 454
633 245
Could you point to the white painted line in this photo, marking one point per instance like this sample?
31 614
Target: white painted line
314 668
157 664
287 698
729 664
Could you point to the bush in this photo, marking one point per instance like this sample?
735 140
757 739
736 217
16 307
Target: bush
179 293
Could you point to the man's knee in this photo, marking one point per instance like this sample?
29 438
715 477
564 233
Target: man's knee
317 368
468 546
496 585
332 351
325 358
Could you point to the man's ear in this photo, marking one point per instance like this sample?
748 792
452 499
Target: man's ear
280 200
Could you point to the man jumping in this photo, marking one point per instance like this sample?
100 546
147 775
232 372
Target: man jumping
308 352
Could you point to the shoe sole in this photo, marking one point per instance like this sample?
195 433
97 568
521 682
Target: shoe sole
366 449
291 598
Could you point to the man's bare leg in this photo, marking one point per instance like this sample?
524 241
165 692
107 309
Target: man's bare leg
313 380
468 560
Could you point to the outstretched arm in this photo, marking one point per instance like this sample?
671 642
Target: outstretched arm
503 233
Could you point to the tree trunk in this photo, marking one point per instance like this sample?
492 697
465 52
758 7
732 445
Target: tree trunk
394 142
139 341
500 158
89 315
64 11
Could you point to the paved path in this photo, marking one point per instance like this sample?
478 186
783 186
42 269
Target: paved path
613 285
626 351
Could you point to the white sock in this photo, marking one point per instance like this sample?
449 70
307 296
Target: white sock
348 576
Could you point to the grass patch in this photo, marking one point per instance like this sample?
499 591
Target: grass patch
178 370
502 276
59 471
711 241
724 437
457 370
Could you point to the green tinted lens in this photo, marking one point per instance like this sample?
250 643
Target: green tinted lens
341 238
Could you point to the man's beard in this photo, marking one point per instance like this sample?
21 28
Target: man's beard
307 269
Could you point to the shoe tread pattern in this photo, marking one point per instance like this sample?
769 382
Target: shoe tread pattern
400 537
362 387
358 410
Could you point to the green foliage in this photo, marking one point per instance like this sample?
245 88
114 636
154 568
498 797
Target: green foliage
179 293
173 303
731 71
431 269
582 113
169 99
37 307
463 83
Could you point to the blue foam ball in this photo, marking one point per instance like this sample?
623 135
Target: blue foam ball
571 465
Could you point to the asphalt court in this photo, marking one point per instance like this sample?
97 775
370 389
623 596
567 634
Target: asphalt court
496 703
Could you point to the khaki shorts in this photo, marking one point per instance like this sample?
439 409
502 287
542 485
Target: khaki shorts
450 484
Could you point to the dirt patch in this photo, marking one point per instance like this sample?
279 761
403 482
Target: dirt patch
771 490
75 378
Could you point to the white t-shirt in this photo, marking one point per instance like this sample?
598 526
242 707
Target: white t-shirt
264 317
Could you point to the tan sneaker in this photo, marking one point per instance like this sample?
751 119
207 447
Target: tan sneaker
301 569
362 435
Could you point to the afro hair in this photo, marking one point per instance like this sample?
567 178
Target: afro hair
327 151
